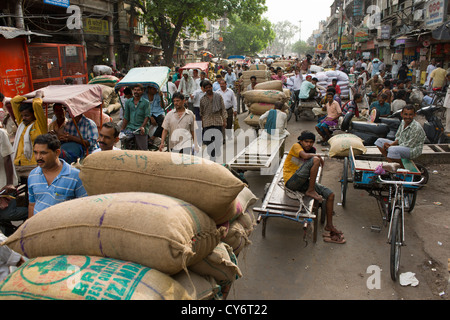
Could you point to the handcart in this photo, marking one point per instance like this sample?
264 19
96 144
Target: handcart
395 192
259 154
280 202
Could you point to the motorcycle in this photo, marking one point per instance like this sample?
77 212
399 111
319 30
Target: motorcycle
380 127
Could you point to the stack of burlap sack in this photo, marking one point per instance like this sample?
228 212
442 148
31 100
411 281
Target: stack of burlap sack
263 98
286 65
111 101
154 226
262 75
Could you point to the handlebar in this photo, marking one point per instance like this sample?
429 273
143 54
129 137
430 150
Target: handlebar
400 182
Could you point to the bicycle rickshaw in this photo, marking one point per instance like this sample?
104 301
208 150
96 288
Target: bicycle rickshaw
156 77
395 193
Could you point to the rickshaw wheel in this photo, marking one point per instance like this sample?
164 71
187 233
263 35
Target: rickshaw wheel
411 198
344 182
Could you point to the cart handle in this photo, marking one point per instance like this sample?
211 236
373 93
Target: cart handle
401 182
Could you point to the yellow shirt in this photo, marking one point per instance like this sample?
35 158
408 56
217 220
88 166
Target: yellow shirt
39 127
292 162
438 76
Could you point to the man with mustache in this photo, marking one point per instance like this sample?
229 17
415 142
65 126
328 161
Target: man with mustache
108 137
53 181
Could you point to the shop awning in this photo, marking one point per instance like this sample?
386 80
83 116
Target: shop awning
442 32
10 33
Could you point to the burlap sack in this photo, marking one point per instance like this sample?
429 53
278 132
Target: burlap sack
341 143
150 229
247 220
257 67
207 185
237 237
256 73
221 264
245 200
287 93
68 277
264 96
206 287
260 108
270 85
252 120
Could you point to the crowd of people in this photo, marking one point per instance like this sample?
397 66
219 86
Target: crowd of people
204 112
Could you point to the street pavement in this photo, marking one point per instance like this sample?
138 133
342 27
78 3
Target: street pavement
281 267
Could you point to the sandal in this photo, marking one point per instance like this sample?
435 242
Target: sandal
335 238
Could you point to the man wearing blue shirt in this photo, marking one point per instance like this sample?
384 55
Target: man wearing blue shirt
53 181
382 106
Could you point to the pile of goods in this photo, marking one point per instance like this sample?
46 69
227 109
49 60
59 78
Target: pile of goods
154 226
263 99
325 78
262 75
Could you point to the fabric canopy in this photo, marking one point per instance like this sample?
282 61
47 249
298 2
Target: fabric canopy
77 98
147 76
203 66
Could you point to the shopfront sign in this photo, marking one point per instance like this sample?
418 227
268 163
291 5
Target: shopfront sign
435 12
96 26
59 3
362 35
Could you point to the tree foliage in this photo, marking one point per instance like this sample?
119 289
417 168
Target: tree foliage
168 19
285 31
243 38
301 48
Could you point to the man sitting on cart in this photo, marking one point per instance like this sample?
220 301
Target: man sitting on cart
409 139
300 172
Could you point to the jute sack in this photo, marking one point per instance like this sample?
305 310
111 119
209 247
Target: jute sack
252 120
237 237
247 221
264 96
270 85
260 108
206 287
245 200
150 229
74 277
257 67
221 264
207 185
256 73
287 93
341 143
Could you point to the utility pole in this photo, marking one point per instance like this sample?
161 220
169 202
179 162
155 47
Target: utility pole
300 31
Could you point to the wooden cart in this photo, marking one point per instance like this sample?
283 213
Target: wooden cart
279 202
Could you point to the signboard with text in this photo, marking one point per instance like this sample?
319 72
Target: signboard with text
435 12
59 3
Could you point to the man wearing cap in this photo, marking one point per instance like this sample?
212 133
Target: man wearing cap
300 171
308 88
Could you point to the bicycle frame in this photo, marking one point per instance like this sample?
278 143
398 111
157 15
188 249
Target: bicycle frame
398 197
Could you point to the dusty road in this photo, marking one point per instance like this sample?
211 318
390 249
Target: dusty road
281 267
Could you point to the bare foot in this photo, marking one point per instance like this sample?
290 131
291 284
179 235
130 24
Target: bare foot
313 194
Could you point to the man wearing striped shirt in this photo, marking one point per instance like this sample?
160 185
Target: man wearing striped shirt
53 181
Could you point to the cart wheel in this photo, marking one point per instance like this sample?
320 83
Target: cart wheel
344 182
396 243
424 173
410 201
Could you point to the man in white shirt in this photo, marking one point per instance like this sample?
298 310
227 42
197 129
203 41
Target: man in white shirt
187 84
8 181
172 88
430 69
108 136
8 258
229 99
277 128
230 78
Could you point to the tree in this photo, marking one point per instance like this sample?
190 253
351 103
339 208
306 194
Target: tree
301 48
243 38
168 19
284 31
